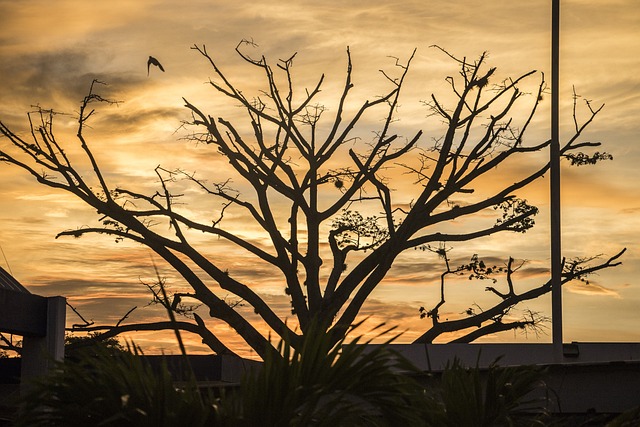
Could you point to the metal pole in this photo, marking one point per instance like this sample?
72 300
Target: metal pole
556 255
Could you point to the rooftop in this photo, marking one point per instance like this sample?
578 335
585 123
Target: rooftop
8 282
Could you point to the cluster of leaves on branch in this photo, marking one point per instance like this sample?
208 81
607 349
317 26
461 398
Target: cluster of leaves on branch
477 269
581 159
517 208
285 157
351 231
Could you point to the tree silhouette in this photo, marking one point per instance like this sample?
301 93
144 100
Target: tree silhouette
343 225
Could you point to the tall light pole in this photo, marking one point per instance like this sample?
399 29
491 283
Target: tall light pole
556 255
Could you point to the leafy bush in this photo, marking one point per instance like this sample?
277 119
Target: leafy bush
318 383
501 398
75 346
630 418
322 384
106 389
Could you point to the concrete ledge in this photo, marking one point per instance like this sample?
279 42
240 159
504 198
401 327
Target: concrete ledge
23 314
434 357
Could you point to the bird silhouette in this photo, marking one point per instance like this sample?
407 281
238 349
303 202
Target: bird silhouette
154 61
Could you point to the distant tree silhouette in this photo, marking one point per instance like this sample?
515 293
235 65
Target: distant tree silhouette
343 225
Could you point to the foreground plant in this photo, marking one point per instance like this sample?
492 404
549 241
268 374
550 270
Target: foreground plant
320 383
104 388
315 384
499 396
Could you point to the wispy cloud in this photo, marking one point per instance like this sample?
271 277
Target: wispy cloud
591 289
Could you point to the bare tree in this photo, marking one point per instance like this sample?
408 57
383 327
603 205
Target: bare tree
345 226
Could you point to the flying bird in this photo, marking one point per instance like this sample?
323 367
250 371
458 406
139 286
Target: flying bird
153 61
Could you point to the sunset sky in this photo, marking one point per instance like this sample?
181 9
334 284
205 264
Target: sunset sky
50 51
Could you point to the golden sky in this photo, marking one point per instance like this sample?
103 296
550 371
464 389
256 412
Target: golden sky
51 51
